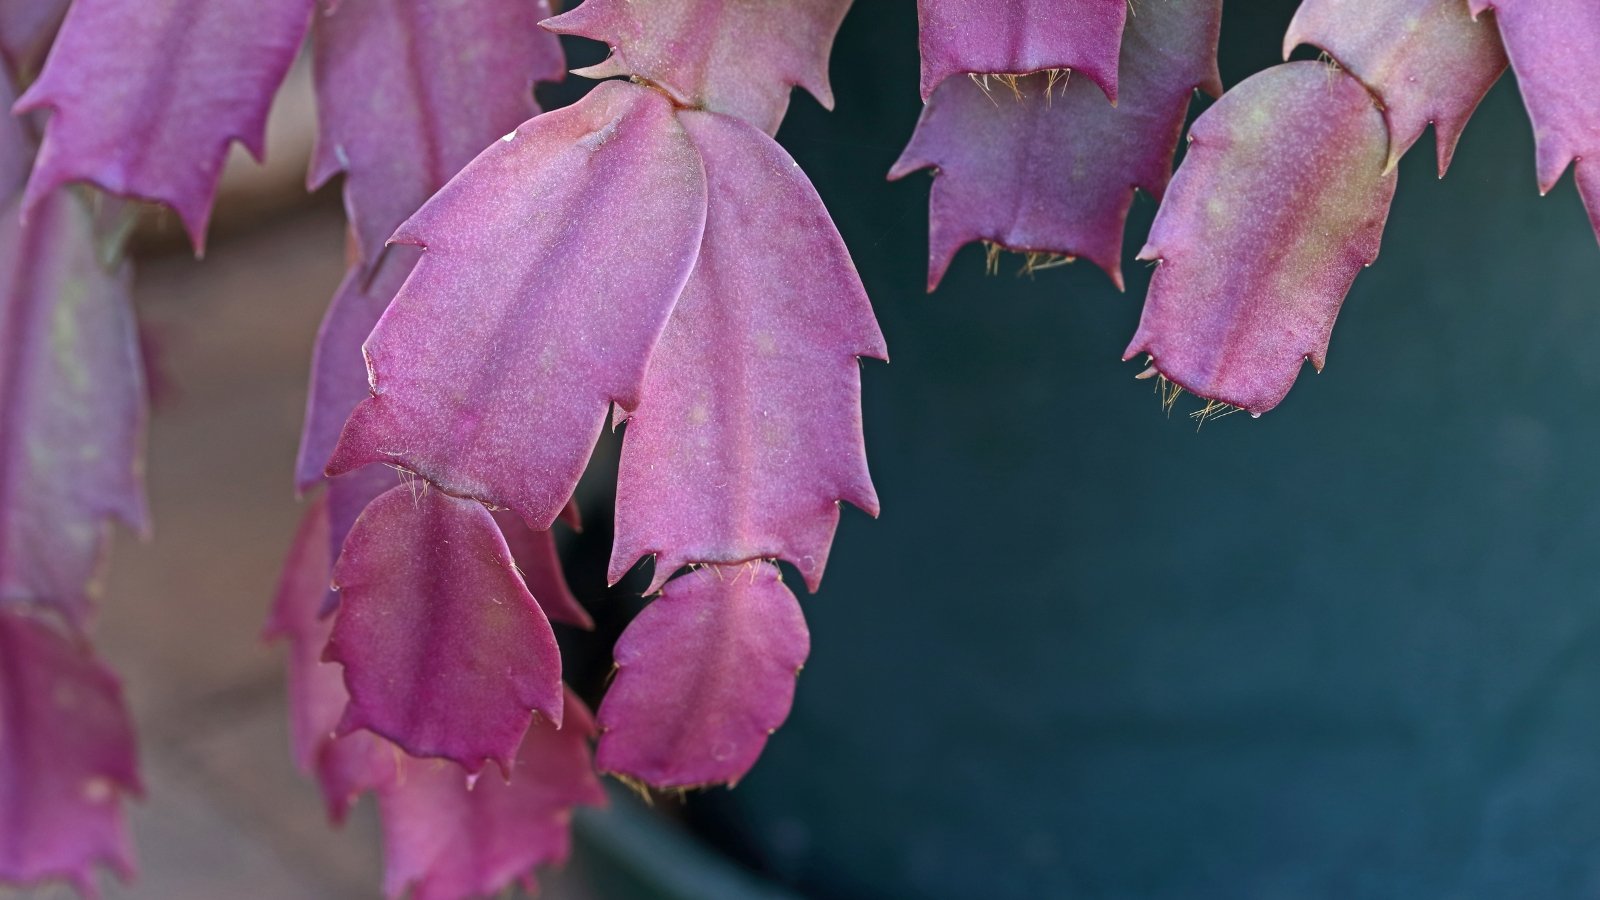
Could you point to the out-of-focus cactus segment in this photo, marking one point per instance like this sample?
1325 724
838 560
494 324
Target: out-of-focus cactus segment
145 98
409 91
67 758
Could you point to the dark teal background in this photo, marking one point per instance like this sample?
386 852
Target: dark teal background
1351 649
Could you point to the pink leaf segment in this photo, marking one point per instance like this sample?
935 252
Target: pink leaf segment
146 96
67 758
1279 203
1429 61
739 57
704 674
444 838
448 838
1019 37
748 431
1043 165
74 405
409 91
1554 47
535 555
445 651
338 369
347 766
492 371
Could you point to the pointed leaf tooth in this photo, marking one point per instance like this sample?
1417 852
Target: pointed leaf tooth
1427 60
1279 203
704 674
74 405
391 76
730 56
444 840
1554 46
540 565
1051 167
338 368
146 97
445 652
67 758
492 371
1020 37
749 428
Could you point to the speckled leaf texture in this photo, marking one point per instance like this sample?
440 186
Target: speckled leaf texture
409 91
704 674
1428 60
445 652
444 840
26 29
67 758
491 373
1051 167
1554 47
1279 203
73 400
748 432
147 95
739 57
1018 37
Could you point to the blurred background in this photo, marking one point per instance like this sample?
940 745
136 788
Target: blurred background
1351 649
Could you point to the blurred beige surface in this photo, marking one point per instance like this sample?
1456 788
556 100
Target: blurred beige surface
226 814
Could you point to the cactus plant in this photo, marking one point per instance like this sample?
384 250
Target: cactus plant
648 258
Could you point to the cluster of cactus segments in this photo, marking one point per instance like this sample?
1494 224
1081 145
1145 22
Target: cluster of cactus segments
647 259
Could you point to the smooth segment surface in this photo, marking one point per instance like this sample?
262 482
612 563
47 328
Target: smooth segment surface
748 432
739 57
1050 167
409 91
1018 37
445 652
704 674
1278 205
551 265
1554 47
1429 61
